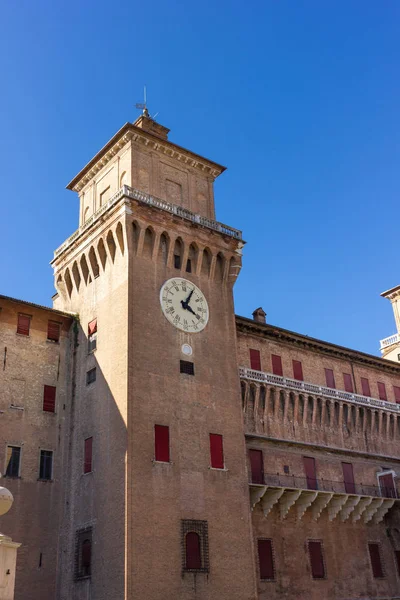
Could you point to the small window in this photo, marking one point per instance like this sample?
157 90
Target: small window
188 266
177 261
266 559
194 546
49 398
91 376
255 360
46 464
365 387
396 390
297 370
53 331
382 391
216 451
13 459
277 365
187 367
330 378
256 466
348 478
376 563
348 383
24 324
311 472
92 335
316 559
161 443
87 460
83 553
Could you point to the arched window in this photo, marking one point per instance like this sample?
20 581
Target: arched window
193 551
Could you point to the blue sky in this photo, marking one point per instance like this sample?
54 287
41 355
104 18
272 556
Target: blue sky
299 99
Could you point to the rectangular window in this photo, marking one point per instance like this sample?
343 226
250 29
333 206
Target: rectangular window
46 464
216 451
316 559
266 559
187 367
311 472
194 541
255 360
91 376
53 331
396 390
348 383
387 486
277 365
92 335
348 478
365 387
83 553
24 324
330 379
397 559
161 443
177 261
87 459
297 370
13 459
257 466
382 391
49 398
376 563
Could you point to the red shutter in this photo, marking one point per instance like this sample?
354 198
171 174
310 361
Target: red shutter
265 559
348 382
365 387
297 370
375 557
24 323
387 486
92 327
53 331
396 390
255 360
257 466
330 378
216 451
87 468
397 557
382 391
193 553
161 443
311 473
348 478
316 560
277 365
49 398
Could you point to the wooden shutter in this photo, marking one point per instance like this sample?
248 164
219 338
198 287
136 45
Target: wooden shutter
53 331
87 468
375 557
311 472
257 466
396 390
255 360
266 559
24 323
382 391
297 370
161 443
348 478
216 451
316 560
330 378
193 553
49 398
365 387
386 484
348 383
92 327
277 365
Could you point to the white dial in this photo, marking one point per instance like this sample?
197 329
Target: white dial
184 305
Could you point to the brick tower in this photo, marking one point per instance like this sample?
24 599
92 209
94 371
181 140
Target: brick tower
156 501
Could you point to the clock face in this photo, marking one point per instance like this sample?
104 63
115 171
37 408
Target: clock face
184 305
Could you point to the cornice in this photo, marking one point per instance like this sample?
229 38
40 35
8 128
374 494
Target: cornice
392 294
262 330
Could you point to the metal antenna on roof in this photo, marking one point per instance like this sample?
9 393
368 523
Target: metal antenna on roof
143 105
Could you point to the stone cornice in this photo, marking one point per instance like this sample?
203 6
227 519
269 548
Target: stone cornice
131 132
262 330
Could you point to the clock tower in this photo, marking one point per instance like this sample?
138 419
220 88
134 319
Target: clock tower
156 500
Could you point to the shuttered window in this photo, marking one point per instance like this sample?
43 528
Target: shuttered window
396 390
87 465
348 382
216 451
266 559
276 365
376 563
311 472
24 323
316 559
49 398
13 458
365 387
257 466
161 443
330 379
193 550
348 478
92 335
53 331
387 487
297 370
194 543
255 360
382 391
46 464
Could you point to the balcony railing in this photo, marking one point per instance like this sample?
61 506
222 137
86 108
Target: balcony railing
302 386
389 341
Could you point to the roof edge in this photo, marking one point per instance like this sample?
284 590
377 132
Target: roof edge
48 308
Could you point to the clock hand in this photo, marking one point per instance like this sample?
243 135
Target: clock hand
189 308
188 298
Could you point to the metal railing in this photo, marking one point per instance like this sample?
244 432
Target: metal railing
392 339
